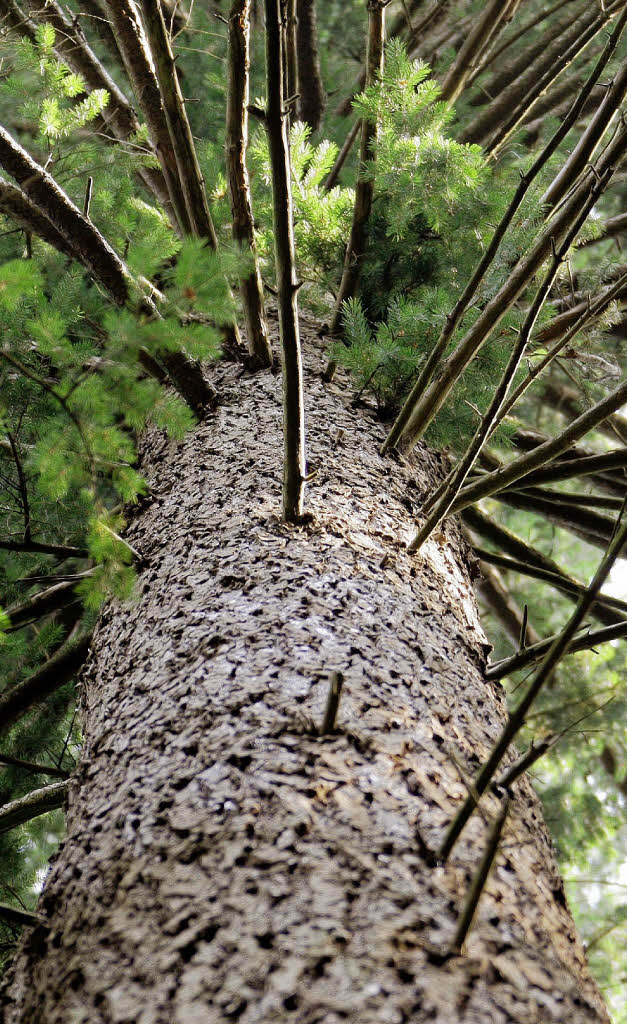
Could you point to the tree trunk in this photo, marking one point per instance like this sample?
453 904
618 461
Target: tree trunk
223 862
312 98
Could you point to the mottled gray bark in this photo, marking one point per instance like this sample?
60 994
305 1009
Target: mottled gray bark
222 861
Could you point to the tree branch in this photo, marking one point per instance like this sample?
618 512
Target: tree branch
53 674
40 801
560 646
239 186
294 464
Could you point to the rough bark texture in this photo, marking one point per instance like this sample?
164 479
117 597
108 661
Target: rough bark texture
222 862
312 97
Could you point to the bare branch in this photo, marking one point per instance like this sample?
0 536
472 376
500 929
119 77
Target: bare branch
37 769
514 471
40 801
589 640
559 647
478 883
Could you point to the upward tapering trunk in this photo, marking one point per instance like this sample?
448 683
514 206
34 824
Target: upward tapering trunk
222 861
311 98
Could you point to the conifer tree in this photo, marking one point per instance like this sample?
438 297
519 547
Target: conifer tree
296 774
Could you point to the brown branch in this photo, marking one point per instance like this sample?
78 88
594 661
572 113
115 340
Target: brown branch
17 206
40 801
559 647
460 473
37 769
590 639
179 128
40 547
491 19
492 589
333 702
591 137
575 467
561 582
479 881
188 379
340 159
15 916
293 407
514 471
181 138
132 44
23 487
46 601
567 402
513 102
53 674
528 556
239 186
589 313
582 521
526 27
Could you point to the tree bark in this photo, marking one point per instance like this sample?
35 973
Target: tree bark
225 862
364 189
237 97
276 120
312 98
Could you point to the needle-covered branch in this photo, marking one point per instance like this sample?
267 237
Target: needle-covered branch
40 801
364 189
118 122
469 292
294 466
53 674
78 232
237 173
559 647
